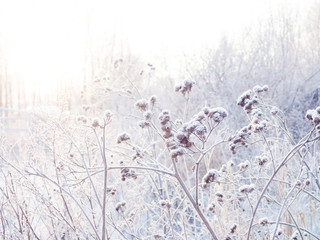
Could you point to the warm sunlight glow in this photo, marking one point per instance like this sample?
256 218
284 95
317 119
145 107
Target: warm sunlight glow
47 40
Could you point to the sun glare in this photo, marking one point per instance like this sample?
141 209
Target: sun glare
46 40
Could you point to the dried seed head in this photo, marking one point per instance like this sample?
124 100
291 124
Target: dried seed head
165 203
147 115
206 110
247 188
144 124
217 114
244 165
108 114
263 221
274 110
86 107
314 115
123 137
95 122
120 206
176 152
307 182
142 104
209 177
164 117
112 190
233 228
211 207
82 119
185 87
152 100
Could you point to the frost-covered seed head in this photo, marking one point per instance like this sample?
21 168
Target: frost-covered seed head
142 104
223 168
265 88
211 207
112 190
95 122
152 100
233 228
307 182
206 110
261 160
217 114
247 188
298 183
244 165
244 98
171 144
164 117
144 124
108 114
82 119
209 177
178 122
127 173
263 221
219 194
279 232
102 124
230 164
176 152
120 206
166 127
178 87
147 115
257 89
295 236
165 203
185 87
86 107
313 115
274 110
123 137
200 116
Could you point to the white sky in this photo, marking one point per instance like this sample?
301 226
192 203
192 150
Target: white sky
45 38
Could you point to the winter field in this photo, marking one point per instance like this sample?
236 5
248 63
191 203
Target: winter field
221 143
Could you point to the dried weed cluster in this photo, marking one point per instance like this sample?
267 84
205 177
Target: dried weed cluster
164 178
